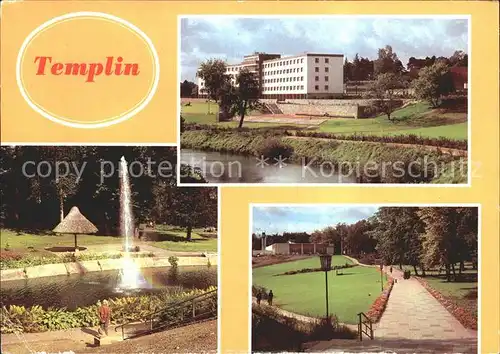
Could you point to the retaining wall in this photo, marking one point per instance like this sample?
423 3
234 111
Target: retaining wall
48 270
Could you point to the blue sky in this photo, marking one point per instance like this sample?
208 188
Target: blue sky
278 219
232 37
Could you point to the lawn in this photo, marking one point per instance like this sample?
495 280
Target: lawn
21 242
349 294
174 240
418 119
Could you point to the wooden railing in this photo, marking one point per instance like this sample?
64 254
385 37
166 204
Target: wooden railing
365 326
195 309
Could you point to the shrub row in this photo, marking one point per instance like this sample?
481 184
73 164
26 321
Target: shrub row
12 260
410 139
17 319
377 308
467 317
311 270
397 139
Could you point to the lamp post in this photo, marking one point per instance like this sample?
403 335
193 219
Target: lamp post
326 264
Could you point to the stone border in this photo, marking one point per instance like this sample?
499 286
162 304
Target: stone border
48 270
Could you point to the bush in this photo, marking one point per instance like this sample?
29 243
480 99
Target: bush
36 319
273 148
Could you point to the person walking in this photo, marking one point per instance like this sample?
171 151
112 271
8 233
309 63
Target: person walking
104 317
270 298
259 297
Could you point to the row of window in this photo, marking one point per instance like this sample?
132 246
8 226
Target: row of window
291 88
284 79
292 61
284 62
284 88
285 71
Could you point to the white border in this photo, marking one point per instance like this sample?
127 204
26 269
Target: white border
363 185
106 16
251 207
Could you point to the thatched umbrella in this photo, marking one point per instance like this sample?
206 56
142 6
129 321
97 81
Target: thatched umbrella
75 223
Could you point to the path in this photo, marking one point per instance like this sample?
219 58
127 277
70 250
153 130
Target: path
413 313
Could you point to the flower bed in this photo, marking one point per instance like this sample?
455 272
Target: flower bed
311 270
378 307
15 319
463 315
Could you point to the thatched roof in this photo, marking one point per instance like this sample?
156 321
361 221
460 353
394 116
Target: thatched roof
75 223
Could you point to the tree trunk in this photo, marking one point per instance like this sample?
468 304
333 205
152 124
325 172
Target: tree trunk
415 269
448 272
423 270
188 232
208 107
76 244
453 269
242 114
400 266
61 206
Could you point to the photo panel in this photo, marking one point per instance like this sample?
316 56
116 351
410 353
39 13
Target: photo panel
365 278
274 100
100 242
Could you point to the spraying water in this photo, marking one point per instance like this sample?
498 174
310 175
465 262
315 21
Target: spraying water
130 274
126 217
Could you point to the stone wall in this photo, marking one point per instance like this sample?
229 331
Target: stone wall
48 270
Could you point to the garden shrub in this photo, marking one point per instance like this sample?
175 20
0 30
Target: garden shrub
37 319
274 148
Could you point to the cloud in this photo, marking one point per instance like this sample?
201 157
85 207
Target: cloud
231 37
279 219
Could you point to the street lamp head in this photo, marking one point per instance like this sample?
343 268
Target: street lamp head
326 261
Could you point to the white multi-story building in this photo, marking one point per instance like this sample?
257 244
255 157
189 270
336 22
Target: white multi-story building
307 75
304 76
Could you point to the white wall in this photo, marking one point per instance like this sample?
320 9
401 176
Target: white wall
335 74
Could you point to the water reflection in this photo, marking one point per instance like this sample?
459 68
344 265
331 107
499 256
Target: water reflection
81 290
220 167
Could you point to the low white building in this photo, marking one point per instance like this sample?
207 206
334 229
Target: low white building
307 75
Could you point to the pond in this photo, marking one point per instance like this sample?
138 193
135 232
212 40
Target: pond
76 290
220 167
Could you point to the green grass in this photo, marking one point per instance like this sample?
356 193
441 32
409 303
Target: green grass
20 242
174 241
418 119
304 293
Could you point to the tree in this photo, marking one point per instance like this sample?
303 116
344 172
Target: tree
194 207
387 62
213 73
348 70
459 58
247 94
433 82
382 90
188 89
397 231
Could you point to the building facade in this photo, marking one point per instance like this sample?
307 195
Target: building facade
306 75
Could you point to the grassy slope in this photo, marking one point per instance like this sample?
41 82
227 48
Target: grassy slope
416 119
305 293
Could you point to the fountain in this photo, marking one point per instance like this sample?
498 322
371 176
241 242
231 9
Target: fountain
130 276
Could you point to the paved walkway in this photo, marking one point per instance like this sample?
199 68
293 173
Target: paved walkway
413 313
